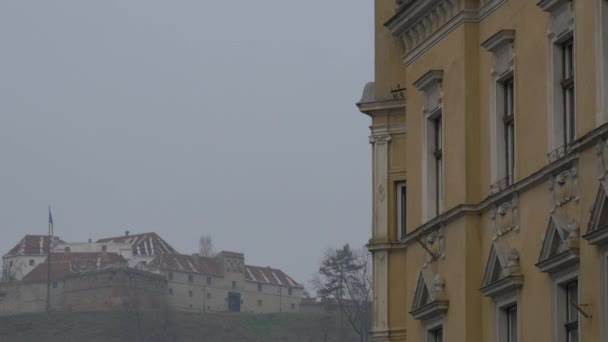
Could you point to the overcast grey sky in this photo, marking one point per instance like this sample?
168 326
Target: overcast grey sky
186 117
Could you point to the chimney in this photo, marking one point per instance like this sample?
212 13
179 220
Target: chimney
126 233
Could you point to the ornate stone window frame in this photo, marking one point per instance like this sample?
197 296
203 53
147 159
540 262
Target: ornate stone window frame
501 45
597 231
560 247
604 294
561 29
502 304
431 85
430 302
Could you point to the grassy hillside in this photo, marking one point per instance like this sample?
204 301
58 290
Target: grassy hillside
133 327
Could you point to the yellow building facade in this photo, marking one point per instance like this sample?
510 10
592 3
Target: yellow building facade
489 137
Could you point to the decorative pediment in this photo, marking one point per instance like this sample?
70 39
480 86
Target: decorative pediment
430 84
502 274
561 244
501 45
429 297
597 232
562 18
505 217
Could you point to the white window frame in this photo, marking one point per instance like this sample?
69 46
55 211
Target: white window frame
601 20
561 30
435 165
604 294
501 45
502 316
401 208
433 184
431 326
559 303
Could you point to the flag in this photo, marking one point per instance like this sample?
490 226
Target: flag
50 222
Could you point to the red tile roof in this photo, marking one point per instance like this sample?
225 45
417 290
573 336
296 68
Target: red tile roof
187 264
33 245
64 263
58 271
86 261
269 276
144 244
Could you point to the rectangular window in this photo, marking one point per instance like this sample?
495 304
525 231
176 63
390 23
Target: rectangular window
208 280
190 293
208 295
259 287
571 324
567 83
31 262
438 161
511 315
289 291
190 278
170 291
104 248
508 119
293 307
170 275
437 335
259 302
401 190
234 284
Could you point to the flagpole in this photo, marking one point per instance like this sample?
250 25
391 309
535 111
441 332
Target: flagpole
48 264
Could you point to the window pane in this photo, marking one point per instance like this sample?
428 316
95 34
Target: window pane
512 324
572 297
573 335
439 335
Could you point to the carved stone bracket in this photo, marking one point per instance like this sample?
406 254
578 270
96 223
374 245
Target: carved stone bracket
563 187
505 217
433 245
601 151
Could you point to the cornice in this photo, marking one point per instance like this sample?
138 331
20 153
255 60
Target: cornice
420 24
505 285
498 40
551 5
587 141
380 107
558 262
432 77
432 309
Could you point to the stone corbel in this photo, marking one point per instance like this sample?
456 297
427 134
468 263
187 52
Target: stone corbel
602 159
564 187
506 217
433 246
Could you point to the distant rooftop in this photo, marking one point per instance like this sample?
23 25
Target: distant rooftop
144 244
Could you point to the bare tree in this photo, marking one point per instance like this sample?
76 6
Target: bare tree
206 246
345 278
10 270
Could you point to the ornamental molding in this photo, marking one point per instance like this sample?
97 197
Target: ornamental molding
584 143
433 246
380 138
561 244
502 273
501 46
563 186
505 216
430 299
601 152
431 84
420 24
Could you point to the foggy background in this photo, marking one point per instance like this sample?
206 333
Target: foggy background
186 117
